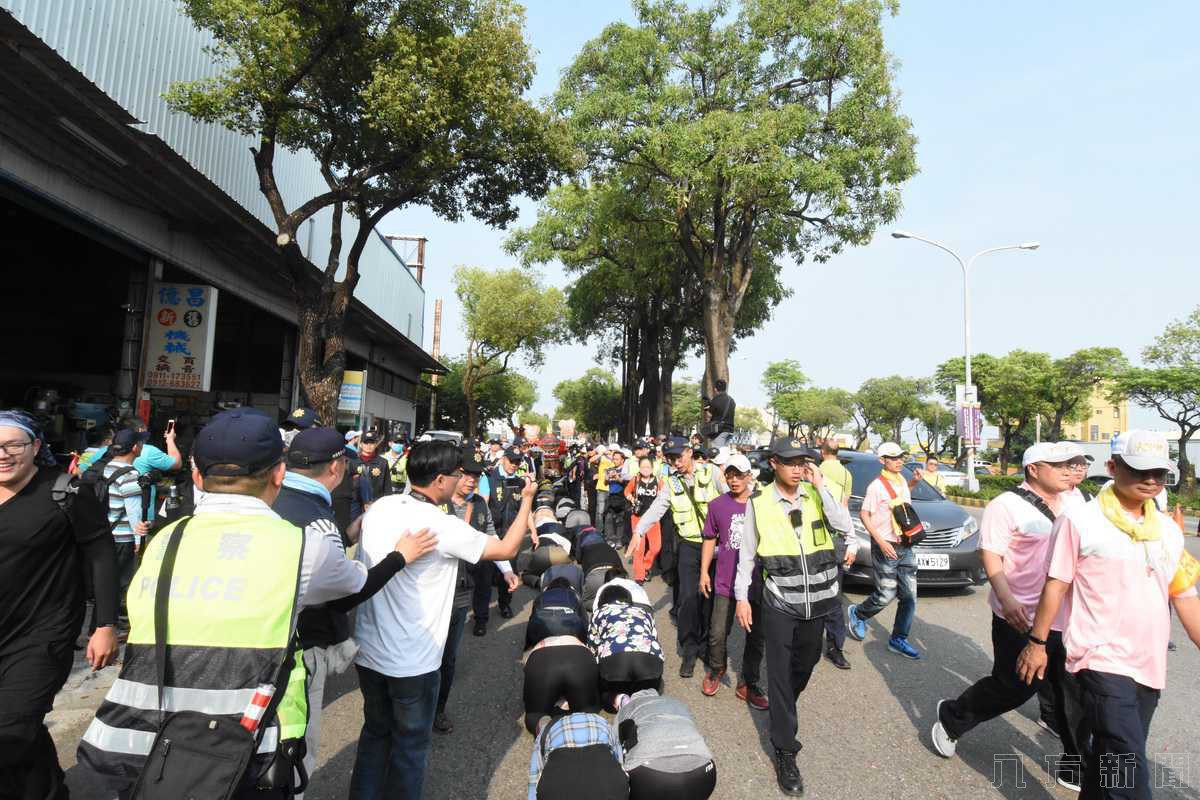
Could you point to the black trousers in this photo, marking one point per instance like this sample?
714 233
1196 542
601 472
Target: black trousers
561 672
835 621
487 575
30 676
693 608
1003 691
1117 712
793 650
652 784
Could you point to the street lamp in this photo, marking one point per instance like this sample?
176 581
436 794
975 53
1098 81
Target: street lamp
972 481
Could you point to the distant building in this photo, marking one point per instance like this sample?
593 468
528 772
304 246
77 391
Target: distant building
1103 419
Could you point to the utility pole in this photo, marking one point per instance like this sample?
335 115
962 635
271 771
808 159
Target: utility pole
437 351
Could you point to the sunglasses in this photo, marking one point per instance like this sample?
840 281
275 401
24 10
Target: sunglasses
1158 476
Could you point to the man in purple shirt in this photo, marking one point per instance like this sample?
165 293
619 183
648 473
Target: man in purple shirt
723 535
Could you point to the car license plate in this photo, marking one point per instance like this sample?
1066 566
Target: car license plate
933 561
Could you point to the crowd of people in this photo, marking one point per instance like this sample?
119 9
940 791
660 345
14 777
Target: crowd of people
297 551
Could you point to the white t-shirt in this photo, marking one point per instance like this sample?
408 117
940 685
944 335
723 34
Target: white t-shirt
402 630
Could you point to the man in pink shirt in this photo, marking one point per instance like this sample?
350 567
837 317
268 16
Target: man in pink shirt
894 565
1014 544
1117 562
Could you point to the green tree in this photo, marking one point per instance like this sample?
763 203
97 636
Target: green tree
934 427
749 419
592 400
530 417
687 413
887 403
497 397
1013 390
506 313
399 106
772 127
1170 385
780 377
814 413
1073 380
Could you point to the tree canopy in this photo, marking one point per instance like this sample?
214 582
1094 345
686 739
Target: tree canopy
769 130
506 313
887 403
507 396
399 105
592 400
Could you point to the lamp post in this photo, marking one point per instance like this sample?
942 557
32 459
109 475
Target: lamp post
972 481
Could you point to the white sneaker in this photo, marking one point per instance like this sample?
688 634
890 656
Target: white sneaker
942 743
1067 783
1047 728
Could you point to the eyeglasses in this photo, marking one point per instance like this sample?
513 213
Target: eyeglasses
458 473
893 458
791 462
15 448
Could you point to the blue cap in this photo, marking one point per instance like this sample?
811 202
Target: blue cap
242 441
316 446
675 445
302 418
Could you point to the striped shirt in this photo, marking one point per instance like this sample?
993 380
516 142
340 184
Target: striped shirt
124 500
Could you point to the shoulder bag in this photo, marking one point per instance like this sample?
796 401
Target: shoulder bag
912 530
198 755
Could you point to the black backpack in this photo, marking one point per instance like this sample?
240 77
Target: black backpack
91 481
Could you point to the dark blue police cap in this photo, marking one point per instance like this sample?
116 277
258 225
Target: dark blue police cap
675 445
316 446
241 441
301 418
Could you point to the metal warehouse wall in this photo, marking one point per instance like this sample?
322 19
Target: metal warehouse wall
133 50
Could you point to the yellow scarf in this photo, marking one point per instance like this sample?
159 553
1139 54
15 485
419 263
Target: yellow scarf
1147 530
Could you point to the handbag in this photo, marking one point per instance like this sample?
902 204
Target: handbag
912 530
198 756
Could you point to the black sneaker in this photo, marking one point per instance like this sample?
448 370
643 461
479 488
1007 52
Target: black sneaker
687 667
837 657
506 612
480 628
442 723
788 774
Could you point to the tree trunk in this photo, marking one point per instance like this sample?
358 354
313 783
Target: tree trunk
1186 479
631 381
468 384
718 335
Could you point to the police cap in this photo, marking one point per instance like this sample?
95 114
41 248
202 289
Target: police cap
315 446
240 441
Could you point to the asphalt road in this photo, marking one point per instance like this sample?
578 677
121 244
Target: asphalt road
865 732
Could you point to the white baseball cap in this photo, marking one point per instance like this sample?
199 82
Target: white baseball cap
722 456
736 461
889 449
601 448
351 435
1051 453
1146 450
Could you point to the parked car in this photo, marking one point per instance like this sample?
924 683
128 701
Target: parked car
949 474
445 436
946 557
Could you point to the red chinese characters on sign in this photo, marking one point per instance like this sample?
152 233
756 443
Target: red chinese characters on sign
166 317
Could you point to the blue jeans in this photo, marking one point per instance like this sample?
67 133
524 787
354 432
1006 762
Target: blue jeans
393 748
893 576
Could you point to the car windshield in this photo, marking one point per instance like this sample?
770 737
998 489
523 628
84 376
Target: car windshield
864 470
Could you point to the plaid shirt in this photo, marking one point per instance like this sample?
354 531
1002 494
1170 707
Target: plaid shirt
570 730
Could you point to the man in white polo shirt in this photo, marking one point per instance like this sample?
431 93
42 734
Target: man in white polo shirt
1115 563
402 630
1014 543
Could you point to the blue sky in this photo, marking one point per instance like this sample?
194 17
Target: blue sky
1070 123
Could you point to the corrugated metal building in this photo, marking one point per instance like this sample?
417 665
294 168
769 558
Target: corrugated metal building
105 191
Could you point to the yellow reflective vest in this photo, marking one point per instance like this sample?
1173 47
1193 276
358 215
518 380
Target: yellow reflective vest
689 518
799 563
231 619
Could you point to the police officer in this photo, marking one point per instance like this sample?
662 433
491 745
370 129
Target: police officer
502 487
790 528
372 473
239 576
687 498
